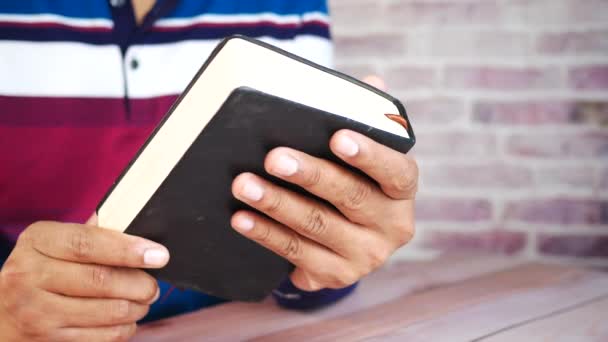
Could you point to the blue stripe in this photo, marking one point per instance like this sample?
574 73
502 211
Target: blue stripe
189 8
69 8
211 33
185 9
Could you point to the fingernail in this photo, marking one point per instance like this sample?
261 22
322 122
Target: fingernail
252 191
346 146
155 257
156 296
243 223
285 165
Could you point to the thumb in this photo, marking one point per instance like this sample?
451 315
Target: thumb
375 81
92 221
302 280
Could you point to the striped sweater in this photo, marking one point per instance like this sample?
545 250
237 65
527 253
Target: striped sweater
82 86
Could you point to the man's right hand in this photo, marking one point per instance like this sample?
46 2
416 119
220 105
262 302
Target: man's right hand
72 282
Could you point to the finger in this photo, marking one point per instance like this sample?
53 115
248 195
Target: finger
98 281
92 221
93 312
396 173
375 81
99 334
87 244
283 241
304 280
358 198
303 215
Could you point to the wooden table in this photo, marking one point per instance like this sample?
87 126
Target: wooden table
457 298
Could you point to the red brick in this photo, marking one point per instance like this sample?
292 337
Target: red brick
410 77
557 13
594 77
446 42
523 113
370 45
455 175
442 13
563 145
439 110
603 181
588 11
556 176
558 211
350 13
453 209
456 143
574 43
358 71
502 78
492 241
573 245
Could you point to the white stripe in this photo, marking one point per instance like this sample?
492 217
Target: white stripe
81 70
241 18
60 69
57 19
168 68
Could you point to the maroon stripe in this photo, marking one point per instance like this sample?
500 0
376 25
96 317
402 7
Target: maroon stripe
59 156
266 23
80 112
61 173
55 25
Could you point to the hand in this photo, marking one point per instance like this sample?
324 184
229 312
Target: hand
72 282
331 248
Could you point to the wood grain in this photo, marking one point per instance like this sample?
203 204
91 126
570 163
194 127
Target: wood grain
460 298
511 310
393 281
404 311
585 323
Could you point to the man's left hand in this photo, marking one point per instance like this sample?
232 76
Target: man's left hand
331 248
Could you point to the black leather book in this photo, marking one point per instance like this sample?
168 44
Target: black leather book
248 98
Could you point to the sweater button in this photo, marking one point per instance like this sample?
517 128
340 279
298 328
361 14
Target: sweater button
134 64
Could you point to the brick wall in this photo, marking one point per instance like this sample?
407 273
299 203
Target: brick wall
509 100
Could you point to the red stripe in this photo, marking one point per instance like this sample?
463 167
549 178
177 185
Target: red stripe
57 163
56 25
241 25
82 112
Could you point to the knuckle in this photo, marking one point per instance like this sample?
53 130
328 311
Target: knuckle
356 196
376 257
149 288
265 234
27 320
10 276
100 276
13 286
313 178
274 204
122 333
30 234
407 182
315 223
292 247
344 278
406 234
81 244
119 309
